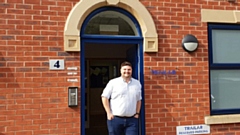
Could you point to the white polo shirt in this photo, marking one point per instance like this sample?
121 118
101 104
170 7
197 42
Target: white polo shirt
123 96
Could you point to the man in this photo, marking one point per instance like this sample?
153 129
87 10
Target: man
121 100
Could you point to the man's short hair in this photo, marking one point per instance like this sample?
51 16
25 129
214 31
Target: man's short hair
126 63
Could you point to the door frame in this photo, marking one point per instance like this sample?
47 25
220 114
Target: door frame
111 40
139 65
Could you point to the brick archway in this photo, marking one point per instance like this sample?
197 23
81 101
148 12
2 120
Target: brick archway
85 7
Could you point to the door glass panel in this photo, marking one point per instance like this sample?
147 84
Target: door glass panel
111 23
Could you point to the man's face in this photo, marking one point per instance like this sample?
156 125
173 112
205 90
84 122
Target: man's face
126 71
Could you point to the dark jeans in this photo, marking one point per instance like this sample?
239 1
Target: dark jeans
123 126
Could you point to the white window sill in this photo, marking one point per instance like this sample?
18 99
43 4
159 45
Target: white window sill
222 119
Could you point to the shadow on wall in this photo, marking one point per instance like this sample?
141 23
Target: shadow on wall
162 99
30 93
170 101
8 79
8 86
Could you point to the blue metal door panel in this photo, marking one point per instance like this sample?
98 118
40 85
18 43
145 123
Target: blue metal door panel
132 57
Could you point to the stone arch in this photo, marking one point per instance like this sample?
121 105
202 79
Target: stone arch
84 7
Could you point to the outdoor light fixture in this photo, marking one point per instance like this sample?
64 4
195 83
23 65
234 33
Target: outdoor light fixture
190 43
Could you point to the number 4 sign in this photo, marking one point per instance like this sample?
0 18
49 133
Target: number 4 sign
56 64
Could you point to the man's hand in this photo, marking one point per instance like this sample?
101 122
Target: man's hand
110 116
136 116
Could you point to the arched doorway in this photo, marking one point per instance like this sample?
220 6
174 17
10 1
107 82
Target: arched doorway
109 35
84 7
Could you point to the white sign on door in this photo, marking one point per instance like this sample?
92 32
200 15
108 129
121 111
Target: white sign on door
193 129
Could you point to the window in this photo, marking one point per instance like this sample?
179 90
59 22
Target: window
111 23
224 64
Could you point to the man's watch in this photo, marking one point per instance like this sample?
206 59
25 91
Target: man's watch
136 114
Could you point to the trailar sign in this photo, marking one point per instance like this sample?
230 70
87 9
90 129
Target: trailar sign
193 129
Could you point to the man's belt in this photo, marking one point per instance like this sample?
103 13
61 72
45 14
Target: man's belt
123 116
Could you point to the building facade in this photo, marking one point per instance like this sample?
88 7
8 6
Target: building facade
56 56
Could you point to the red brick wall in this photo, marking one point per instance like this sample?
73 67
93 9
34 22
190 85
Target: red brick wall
33 99
183 100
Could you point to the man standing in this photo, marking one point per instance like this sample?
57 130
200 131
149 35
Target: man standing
121 100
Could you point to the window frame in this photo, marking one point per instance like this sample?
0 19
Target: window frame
109 8
220 66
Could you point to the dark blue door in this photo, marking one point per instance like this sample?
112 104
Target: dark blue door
134 54
132 57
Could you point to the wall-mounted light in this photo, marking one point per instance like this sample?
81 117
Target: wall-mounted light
190 43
